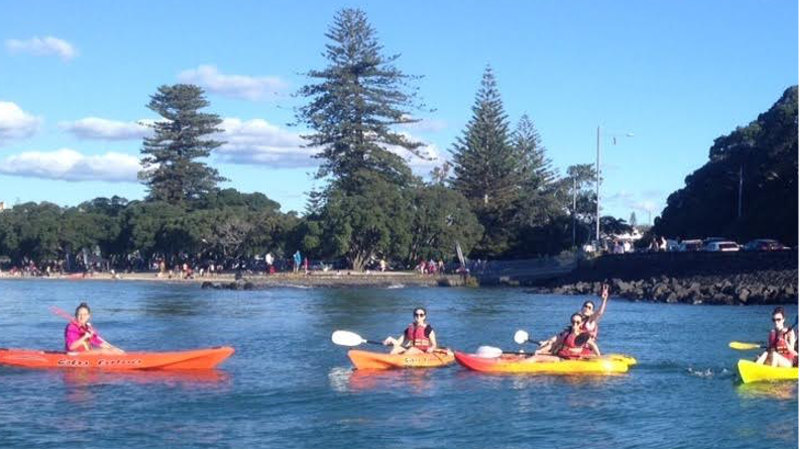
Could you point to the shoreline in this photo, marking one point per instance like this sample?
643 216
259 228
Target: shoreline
262 281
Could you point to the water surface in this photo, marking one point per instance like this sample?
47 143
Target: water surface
289 386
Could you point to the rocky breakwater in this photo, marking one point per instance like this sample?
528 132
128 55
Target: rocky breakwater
715 278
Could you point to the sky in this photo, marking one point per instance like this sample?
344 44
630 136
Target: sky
661 79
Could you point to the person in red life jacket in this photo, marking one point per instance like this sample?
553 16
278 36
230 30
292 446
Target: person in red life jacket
781 350
80 336
591 318
589 327
573 342
419 337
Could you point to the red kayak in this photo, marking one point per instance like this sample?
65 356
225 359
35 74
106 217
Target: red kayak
206 358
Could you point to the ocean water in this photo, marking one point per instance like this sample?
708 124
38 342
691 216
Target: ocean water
288 385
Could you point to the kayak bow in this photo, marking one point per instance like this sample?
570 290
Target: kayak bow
752 372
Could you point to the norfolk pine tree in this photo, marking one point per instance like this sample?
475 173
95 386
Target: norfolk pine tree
171 170
486 168
354 103
352 106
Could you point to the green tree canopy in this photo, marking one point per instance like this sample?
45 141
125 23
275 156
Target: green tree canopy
763 156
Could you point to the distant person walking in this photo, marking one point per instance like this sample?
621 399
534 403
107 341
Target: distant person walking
270 260
298 258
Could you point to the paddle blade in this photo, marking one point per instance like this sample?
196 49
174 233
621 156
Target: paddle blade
744 345
582 339
521 337
485 351
346 338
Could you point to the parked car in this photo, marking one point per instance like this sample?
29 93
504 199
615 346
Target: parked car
673 245
691 245
709 240
764 245
722 246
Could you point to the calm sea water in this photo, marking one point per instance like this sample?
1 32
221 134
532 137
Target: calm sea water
289 386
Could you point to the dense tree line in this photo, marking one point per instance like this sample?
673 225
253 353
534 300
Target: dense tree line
761 158
500 197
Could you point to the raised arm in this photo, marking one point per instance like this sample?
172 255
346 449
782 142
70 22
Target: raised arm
599 314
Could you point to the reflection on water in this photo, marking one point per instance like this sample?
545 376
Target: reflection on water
782 390
345 379
80 383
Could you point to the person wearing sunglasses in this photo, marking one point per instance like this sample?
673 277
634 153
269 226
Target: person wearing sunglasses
591 318
418 337
573 342
589 328
781 343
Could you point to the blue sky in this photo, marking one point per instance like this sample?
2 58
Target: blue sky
75 78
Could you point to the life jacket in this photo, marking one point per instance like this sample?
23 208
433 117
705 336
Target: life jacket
592 329
571 350
418 336
778 342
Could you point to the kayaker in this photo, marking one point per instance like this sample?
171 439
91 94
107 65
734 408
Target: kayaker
573 342
591 318
590 326
80 336
419 337
781 350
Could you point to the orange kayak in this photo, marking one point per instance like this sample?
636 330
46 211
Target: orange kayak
206 358
363 360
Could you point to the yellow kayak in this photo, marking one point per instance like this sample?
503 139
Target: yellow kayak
363 360
752 372
605 365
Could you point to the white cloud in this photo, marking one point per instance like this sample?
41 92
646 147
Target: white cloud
70 165
238 86
431 157
104 129
259 142
45 46
16 123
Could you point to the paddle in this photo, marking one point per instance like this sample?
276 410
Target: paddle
736 345
350 339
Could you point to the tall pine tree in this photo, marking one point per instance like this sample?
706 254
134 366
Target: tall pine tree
353 105
172 171
486 168
536 171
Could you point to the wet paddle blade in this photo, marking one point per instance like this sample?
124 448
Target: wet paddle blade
346 338
485 351
744 345
521 337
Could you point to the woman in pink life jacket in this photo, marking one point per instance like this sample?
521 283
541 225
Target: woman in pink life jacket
781 343
80 336
418 337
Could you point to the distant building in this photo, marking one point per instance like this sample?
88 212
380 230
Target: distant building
2 206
